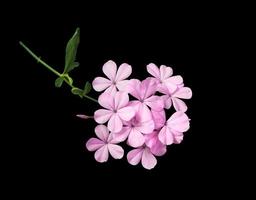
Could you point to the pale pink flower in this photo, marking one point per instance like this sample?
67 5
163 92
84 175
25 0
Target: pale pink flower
104 145
143 155
116 78
135 129
163 76
173 130
116 110
144 91
175 98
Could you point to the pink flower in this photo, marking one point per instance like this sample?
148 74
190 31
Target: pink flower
144 155
175 98
116 110
116 77
164 77
144 91
135 129
105 144
172 132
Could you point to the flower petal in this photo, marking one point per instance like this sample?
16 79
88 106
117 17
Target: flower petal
153 70
179 105
143 113
178 137
115 124
183 93
102 115
134 156
111 90
101 155
123 85
121 99
93 144
165 136
121 136
106 100
147 88
115 151
145 127
165 72
109 69
126 113
159 118
100 84
179 122
155 103
102 132
134 88
148 159
135 138
177 80
123 72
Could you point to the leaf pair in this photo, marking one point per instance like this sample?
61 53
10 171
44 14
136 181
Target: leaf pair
82 93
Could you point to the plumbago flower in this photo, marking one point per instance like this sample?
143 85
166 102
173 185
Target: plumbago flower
132 110
135 111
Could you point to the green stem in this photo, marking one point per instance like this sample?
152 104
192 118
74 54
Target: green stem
38 59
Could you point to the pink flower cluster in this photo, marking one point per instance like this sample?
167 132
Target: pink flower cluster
134 111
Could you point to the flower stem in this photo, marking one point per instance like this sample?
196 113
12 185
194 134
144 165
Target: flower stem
38 59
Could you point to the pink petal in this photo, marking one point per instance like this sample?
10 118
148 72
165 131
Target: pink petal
171 87
93 144
115 151
134 156
135 138
153 70
106 100
165 72
145 127
158 149
109 69
101 155
143 113
155 103
123 85
102 115
178 137
111 90
100 84
115 124
102 132
183 93
167 101
126 113
177 80
121 99
134 88
163 88
165 136
148 160
159 118
179 105
179 122
121 136
123 72
147 88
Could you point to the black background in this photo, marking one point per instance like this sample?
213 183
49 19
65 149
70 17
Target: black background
46 151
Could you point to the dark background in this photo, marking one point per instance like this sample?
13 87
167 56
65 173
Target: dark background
46 144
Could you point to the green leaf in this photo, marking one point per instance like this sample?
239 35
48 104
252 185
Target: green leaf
87 88
58 82
71 50
77 91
